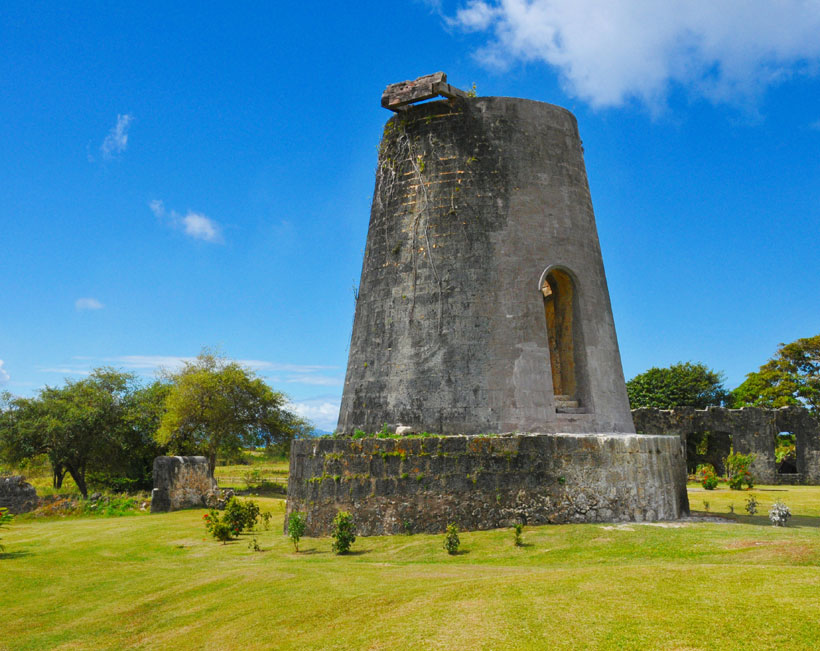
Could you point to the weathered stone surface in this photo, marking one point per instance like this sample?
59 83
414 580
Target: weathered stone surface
749 430
180 483
17 495
475 201
483 482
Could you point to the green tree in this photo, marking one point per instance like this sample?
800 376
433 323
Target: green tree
791 377
685 384
80 426
217 406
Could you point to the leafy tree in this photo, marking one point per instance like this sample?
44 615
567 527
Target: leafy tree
131 460
791 377
217 406
685 384
80 427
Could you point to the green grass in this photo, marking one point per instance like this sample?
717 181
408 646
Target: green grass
154 581
258 471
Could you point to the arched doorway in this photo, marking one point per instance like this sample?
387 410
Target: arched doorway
558 291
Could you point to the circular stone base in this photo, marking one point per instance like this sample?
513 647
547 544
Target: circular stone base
410 485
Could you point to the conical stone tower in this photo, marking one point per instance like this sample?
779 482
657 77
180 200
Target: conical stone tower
483 304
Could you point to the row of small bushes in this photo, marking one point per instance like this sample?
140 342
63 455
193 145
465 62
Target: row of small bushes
344 527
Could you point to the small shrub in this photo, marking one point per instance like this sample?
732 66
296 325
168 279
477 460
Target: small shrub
343 532
218 526
706 506
254 477
707 476
779 514
751 505
241 515
737 469
266 518
5 520
451 540
253 544
296 528
518 528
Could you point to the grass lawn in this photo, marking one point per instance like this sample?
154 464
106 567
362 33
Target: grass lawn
152 581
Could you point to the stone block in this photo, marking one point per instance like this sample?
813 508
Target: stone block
180 483
17 495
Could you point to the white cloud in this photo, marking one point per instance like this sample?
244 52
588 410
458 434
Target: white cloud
88 304
200 227
4 374
610 52
117 139
193 224
157 207
322 412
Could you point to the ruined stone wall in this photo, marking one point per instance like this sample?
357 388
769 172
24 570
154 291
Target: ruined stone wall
752 429
181 483
423 484
17 495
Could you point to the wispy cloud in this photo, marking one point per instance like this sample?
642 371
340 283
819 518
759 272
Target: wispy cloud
88 304
66 370
610 52
117 139
4 374
317 380
322 411
193 224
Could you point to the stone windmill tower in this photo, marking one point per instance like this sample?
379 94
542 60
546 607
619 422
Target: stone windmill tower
483 309
483 304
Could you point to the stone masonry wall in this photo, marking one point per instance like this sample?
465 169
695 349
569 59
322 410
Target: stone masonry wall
17 495
752 429
481 482
180 483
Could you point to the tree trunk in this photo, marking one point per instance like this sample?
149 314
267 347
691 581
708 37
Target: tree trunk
58 474
212 462
79 478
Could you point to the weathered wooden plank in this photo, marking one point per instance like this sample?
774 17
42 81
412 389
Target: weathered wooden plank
397 96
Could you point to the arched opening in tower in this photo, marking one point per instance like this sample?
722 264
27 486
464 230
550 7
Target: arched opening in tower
558 291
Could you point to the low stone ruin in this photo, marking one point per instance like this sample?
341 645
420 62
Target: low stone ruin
483 482
17 495
185 483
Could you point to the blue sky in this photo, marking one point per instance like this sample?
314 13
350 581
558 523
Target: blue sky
189 175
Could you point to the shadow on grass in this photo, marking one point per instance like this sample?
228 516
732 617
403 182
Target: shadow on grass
358 552
761 520
312 551
9 555
460 552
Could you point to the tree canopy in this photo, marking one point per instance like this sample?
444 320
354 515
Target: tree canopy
790 377
217 406
89 425
685 384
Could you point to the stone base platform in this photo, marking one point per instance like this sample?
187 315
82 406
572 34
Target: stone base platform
404 485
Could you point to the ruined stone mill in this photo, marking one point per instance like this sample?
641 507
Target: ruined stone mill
483 317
